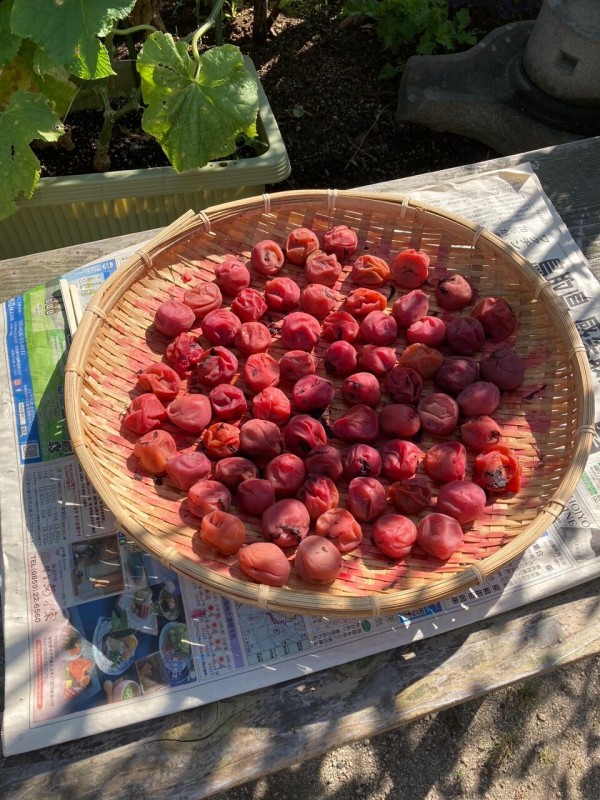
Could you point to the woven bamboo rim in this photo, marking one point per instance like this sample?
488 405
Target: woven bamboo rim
549 421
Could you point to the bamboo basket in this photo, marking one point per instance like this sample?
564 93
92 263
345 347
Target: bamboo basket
548 421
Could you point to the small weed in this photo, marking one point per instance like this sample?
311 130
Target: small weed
544 757
503 748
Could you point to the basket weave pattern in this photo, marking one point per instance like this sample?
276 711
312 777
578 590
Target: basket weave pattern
548 421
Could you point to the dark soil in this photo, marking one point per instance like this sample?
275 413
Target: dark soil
322 78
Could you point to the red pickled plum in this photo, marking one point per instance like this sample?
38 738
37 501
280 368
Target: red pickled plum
446 461
220 440
183 353
161 380
300 331
340 240
282 294
232 275
340 359
317 300
285 523
260 439
249 305
203 298
186 469
456 373
361 388
216 365
340 325
260 371
360 302
255 495
228 402
317 561
190 412
399 420
410 308
358 424
404 384
453 293
379 328
496 317
145 414
299 244
295 364
376 359
370 270
286 474
267 257
325 460
153 450
173 317
464 335
253 337
221 326
207 495
481 397
362 460
462 500
438 414
423 359
480 433
366 499
339 527
503 367
312 393
428 330
410 496
323 268
497 470
303 433
233 470
400 459
223 531
410 268
265 563
318 493
394 535
272 404
439 535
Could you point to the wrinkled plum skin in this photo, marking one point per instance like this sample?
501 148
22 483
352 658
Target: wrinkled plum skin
303 433
323 268
453 293
272 404
260 439
173 317
340 325
317 300
369 270
325 460
233 470
497 470
361 388
375 359
232 276
425 360
295 364
410 496
456 373
464 335
260 371
379 329
399 420
339 526
312 393
203 298
249 305
358 424
282 294
190 412
161 380
438 414
404 384
317 561
362 460
208 495
145 414
267 257
300 331
265 563
410 268
439 535
186 469
300 243
285 523
153 450
223 531
446 461
221 326
410 308
253 337
340 240
463 500
216 365
319 494
496 317
428 330
228 402
286 473
400 459
340 359
360 302
366 499
183 353
220 440
480 432
255 495
394 535
480 398
503 367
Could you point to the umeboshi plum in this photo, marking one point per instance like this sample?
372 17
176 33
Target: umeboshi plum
295 364
282 294
340 240
253 337
272 404
481 397
153 450
504 367
216 365
249 305
318 493
300 331
203 298
464 335
376 359
267 257
400 459
425 360
480 432
285 523
173 317
317 300
221 439
369 270
340 359
300 243
394 535
438 413
325 460
183 353
312 393
463 500
260 371
232 275
410 496
427 330
186 469
497 318
145 413
205 496
362 460
379 328
358 424
366 499
231 471
361 388
410 308
161 380
439 535
340 528
497 469
323 268
223 531
363 300
286 474
317 560
303 433
228 402
404 384
446 461
260 439
265 563
456 373
410 268
453 293
340 325
221 326
399 420
190 412
255 495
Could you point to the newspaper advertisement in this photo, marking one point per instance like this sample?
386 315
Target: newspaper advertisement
99 634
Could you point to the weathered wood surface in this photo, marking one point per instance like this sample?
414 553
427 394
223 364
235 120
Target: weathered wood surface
196 753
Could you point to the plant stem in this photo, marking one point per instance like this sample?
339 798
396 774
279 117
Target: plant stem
101 157
199 33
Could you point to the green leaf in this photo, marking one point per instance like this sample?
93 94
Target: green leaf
195 111
69 31
27 117
21 74
9 41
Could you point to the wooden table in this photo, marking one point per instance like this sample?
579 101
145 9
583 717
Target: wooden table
196 753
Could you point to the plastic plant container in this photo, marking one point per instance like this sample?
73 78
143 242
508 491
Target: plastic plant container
82 208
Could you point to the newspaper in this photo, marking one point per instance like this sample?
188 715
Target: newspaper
99 634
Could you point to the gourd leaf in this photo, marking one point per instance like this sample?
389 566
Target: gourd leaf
69 31
21 74
195 111
9 42
27 117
